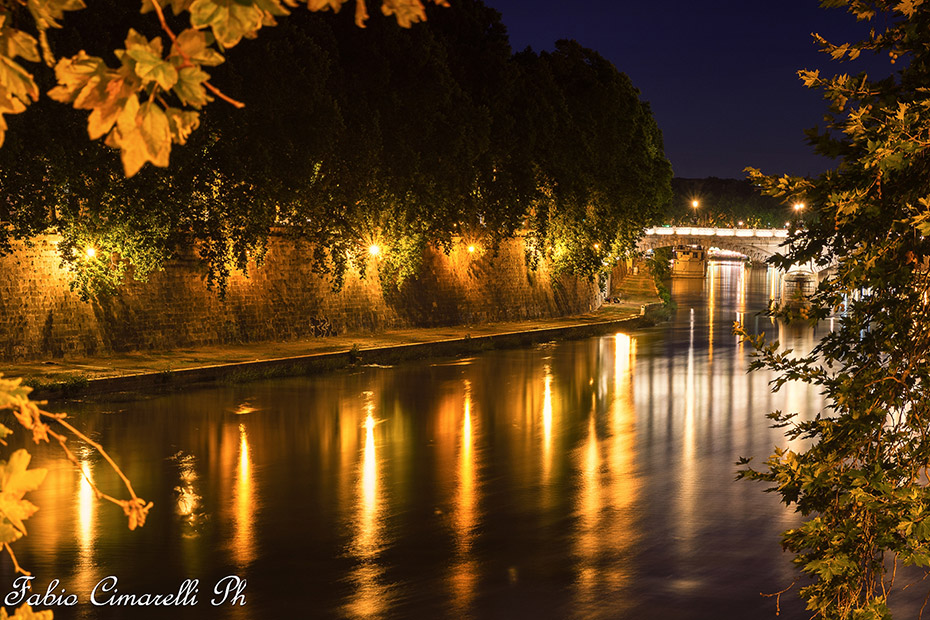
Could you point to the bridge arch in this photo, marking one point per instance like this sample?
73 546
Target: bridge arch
757 244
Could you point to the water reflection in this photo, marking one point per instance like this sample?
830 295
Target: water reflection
588 479
465 568
370 598
244 537
547 425
606 532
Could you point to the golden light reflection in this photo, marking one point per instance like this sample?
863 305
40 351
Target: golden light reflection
86 508
85 573
711 308
369 480
371 594
688 452
741 289
608 491
244 537
624 484
465 571
589 536
773 283
547 424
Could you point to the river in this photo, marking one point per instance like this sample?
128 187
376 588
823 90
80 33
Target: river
577 479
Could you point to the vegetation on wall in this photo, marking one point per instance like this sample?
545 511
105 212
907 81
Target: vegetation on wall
349 138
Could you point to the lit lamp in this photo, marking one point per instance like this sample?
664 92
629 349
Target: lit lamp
90 251
694 208
374 250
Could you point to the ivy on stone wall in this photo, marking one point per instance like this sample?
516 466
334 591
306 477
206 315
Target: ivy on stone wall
349 138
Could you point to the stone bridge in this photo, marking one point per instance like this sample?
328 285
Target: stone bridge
756 243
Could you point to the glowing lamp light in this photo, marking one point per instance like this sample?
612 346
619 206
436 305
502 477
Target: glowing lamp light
374 249
694 203
90 251
739 223
471 249
798 206
597 246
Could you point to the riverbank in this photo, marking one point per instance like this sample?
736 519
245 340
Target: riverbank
147 371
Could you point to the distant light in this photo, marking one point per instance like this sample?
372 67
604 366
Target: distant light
739 223
90 251
787 224
694 203
374 250
798 206
471 249
597 246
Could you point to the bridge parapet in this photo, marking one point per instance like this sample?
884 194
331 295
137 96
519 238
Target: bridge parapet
756 243
694 231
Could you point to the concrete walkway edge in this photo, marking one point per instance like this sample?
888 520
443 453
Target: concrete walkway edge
328 361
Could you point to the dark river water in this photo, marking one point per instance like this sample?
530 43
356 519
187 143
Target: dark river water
577 479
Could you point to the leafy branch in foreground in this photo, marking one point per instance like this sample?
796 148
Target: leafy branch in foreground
16 479
860 472
153 98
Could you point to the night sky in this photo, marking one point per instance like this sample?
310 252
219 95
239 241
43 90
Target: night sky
720 76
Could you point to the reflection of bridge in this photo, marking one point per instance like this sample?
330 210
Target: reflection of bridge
758 244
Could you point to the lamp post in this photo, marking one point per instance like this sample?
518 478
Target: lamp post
694 208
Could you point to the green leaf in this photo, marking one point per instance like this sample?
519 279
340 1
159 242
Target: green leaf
229 21
149 65
190 89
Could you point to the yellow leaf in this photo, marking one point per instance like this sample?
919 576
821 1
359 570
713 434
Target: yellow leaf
15 481
142 134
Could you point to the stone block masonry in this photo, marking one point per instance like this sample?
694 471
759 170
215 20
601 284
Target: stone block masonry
41 318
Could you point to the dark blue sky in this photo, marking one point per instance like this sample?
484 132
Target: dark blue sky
720 75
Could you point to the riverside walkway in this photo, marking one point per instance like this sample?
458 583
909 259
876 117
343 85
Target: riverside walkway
241 362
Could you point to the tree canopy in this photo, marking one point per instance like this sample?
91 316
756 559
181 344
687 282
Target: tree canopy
351 138
859 477
152 99
725 203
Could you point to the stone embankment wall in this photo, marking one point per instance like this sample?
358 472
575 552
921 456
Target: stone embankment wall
41 318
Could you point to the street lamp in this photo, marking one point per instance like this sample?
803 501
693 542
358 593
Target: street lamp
694 207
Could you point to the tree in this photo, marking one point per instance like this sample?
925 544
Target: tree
861 481
153 98
597 154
